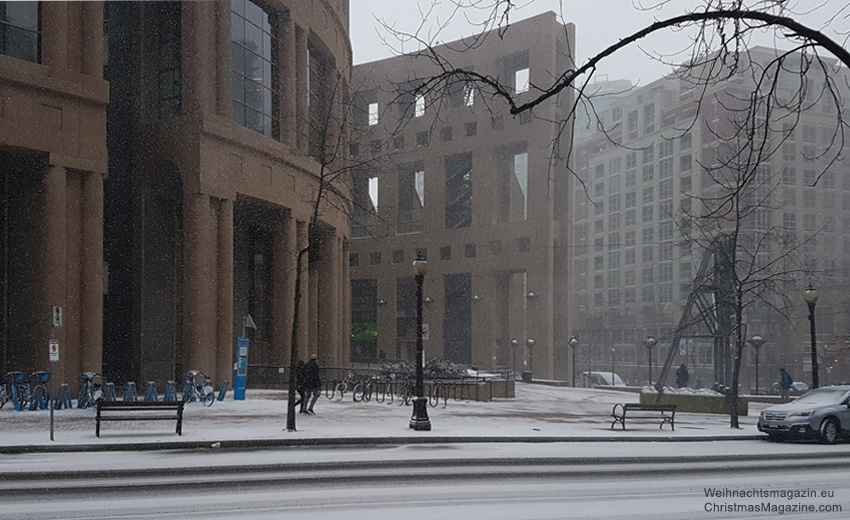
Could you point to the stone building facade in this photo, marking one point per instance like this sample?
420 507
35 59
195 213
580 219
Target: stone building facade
175 149
476 191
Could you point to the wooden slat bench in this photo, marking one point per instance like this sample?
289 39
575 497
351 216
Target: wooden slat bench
665 412
139 411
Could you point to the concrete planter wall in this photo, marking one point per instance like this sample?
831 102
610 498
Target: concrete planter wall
696 403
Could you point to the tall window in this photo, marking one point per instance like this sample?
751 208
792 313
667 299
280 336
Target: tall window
364 193
458 191
254 64
411 198
19 31
319 78
512 184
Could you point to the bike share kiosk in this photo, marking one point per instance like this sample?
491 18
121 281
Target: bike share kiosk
241 380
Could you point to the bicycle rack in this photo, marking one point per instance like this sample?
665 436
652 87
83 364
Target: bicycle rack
223 390
130 394
63 398
170 392
109 393
150 393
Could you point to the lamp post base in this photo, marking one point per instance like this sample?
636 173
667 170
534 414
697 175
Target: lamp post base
419 420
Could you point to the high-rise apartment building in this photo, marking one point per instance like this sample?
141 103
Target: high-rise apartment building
158 164
477 192
648 182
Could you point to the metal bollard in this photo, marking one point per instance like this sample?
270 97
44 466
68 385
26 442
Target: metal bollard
223 390
150 392
109 393
170 392
130 394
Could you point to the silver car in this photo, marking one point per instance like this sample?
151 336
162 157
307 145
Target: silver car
823 413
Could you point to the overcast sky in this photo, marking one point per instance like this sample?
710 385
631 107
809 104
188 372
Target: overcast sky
599 23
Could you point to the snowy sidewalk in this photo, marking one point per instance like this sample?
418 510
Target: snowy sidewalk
538 414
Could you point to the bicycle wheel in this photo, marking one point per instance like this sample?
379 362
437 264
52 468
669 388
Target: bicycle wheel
340 389
208 398
4 396
357 393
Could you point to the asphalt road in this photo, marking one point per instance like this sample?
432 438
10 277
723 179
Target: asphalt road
327 483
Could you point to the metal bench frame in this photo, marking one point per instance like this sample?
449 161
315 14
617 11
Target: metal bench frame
662 413
139 411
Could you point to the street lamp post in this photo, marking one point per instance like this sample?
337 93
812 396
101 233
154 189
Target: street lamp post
530 343
514 347
757 341
650 342
419 420
612 365
574 344
811 297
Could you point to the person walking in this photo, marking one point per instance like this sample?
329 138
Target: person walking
682 376
312 385
785 383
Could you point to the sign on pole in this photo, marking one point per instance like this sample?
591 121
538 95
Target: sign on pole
426 331
54 350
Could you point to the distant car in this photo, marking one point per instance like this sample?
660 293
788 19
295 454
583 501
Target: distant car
603 378
797 388
821 413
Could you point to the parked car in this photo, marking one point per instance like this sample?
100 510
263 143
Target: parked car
603 378
797 388
823 412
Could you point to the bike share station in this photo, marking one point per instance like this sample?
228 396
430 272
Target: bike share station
240 382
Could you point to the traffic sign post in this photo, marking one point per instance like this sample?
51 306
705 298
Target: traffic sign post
53 353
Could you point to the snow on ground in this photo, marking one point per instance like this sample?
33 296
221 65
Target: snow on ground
537 411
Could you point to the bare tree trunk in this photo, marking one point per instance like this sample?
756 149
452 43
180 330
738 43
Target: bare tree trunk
293 347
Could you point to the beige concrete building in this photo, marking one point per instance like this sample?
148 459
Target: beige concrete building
474 190
160 164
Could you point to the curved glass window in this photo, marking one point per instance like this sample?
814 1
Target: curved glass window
254 63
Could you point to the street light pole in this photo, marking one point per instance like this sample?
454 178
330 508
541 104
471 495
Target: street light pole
574 344
612 365
757 341
650 342
530 343
514 347
811 297
419 420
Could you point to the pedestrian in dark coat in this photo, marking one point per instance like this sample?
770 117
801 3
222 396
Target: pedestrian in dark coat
682 376
312 385
299 385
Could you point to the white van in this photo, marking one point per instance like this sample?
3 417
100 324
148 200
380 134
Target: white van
602 378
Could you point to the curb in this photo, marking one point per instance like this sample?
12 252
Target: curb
342 441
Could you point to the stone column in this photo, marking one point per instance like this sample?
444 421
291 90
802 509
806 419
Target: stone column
91 298
92 39
54 36
54 261
226 346
284 287
200 309
198 43
224 96
345 287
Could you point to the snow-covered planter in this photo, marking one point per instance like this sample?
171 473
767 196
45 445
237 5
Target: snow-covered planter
700 400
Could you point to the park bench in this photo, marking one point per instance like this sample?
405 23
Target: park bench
665 412
139 411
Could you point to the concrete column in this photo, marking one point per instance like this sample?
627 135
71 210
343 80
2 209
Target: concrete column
200 310
92 39
226 341
283 274
54 36
300 78
198 43
91 298
54 261
288 82
224 96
